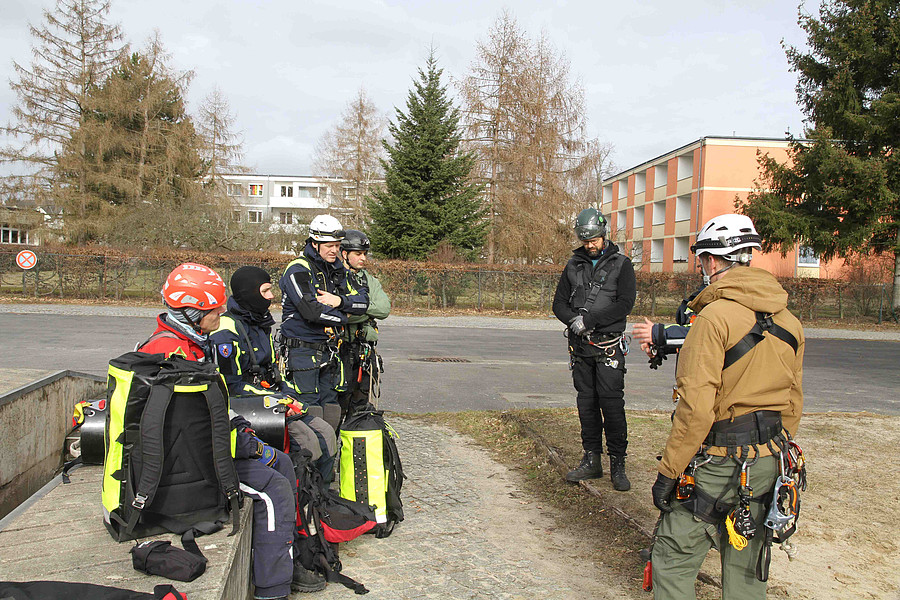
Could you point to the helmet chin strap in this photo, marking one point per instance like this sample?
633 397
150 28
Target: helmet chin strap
194 326
707 276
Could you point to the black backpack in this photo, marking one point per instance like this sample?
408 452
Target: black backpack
168 463
324 519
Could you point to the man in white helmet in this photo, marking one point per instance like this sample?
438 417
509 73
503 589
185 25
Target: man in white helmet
315 302
740 397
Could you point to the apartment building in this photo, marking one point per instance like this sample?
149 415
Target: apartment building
277 201
656 208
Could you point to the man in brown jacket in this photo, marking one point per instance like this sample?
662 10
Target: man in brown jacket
739 387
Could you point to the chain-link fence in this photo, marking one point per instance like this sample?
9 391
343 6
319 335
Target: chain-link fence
414 285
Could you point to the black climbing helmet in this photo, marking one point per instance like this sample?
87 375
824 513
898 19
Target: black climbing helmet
590 224
355 240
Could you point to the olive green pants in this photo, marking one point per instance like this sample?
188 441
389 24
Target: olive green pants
684 540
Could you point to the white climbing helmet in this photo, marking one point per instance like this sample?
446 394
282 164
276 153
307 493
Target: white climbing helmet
325 228
730 236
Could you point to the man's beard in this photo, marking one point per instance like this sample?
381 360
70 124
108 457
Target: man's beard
593 253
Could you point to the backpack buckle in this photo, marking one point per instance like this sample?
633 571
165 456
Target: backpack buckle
139 501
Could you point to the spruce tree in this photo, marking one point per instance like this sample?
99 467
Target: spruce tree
428 197
840 193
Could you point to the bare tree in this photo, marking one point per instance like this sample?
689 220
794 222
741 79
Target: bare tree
74 50
222 147
526 119
350 154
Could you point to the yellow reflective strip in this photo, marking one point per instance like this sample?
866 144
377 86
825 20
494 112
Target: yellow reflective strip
191 388
111 488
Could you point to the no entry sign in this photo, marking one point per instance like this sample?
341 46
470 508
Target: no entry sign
26 259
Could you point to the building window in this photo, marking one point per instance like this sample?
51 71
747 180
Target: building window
637 252
607 194
236 216
806 257
349 193
681 250
685 166
12 235
659 212
620 220
307 192
638 218
623 188
287 191
660 175
683 208
287 218
233 189
656 251
256 189
254 216
640 183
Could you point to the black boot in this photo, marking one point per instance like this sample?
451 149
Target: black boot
617 473
305 580
591 467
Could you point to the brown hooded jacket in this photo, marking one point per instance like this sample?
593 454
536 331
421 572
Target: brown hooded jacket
769 377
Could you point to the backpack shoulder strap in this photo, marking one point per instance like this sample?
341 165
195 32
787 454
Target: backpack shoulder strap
152 423
156 336
763 324
245 337
216 400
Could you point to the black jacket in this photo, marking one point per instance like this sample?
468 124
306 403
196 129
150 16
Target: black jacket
614 274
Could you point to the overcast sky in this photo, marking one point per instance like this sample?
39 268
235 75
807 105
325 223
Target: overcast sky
657 74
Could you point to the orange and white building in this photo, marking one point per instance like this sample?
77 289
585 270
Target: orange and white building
655 208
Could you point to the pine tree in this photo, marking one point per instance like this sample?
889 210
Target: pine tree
428 196
222 146
840 192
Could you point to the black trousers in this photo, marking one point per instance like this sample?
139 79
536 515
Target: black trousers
600 383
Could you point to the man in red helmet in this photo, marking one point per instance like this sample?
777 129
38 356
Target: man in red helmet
194 296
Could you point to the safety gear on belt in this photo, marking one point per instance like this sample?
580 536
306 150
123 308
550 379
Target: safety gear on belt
355 240
662 493
591 467
325 228
590 224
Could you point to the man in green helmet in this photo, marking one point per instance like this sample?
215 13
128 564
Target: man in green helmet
361 363
594 296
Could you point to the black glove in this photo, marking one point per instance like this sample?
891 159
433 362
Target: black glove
577 326
662 493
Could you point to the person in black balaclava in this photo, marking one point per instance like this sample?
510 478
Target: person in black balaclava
245 334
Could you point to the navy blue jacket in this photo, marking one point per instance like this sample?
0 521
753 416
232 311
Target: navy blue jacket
303 316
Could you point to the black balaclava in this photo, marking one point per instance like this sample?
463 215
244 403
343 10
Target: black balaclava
245 284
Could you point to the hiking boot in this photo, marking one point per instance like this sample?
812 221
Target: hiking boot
305 580
617 473
591 467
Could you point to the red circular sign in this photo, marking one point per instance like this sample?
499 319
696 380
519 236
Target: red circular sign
26 259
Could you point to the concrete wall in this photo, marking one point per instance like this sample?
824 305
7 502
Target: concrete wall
34 420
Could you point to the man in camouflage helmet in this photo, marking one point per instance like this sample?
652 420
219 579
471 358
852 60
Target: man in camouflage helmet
594 296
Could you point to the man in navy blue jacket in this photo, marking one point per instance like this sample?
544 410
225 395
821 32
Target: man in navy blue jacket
316 299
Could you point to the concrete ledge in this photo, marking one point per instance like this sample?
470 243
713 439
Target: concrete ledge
61 537
35 419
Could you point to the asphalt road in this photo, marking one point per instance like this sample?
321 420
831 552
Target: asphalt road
506 367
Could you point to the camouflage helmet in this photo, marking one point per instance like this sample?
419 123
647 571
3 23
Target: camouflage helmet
590 224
